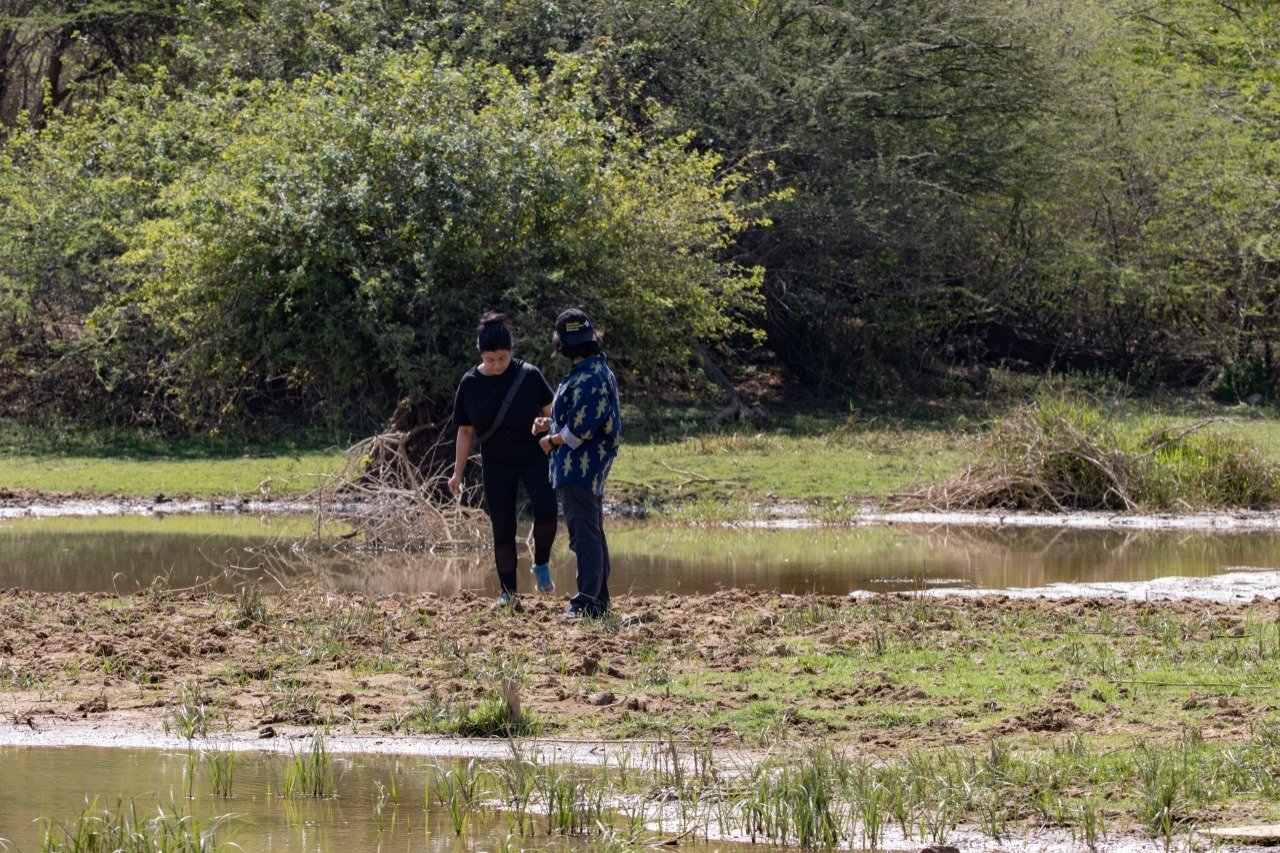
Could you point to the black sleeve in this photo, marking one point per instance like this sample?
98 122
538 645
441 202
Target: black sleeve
460 416
545 394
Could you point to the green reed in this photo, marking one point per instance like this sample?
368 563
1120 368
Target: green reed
190 719
575 806
220 767
126 830
459 789
311 773
519 778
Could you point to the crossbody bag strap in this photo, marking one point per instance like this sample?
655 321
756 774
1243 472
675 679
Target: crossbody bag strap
506 404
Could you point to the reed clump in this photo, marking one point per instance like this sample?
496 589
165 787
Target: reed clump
126 830
1063 453
220 767
459 789
311 773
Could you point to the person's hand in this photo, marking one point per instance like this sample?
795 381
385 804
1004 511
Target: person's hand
455 484
541 425
545 444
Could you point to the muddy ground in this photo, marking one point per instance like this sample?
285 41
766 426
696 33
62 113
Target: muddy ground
885 677
892 673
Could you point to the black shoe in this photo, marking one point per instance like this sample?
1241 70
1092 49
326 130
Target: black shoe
571 615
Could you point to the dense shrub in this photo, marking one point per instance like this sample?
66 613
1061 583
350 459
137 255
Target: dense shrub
332 240
1241 379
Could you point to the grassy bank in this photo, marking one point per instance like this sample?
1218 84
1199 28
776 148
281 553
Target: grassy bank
826 459
61 459
1140 717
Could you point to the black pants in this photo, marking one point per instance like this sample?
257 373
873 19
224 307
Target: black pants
502 481
584 516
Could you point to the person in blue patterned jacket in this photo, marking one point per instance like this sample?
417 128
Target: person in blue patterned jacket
582 436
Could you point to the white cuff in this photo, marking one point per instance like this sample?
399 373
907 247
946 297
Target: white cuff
570 440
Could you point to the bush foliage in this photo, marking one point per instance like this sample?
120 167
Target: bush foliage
333 239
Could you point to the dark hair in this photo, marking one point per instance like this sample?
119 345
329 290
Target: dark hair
495 333
586 349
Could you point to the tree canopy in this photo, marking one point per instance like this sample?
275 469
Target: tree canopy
214 211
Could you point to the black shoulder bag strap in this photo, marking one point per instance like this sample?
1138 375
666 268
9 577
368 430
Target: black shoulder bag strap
506 404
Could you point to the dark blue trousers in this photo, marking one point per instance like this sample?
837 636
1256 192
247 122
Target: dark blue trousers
584 517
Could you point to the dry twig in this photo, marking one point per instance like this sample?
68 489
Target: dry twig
381 499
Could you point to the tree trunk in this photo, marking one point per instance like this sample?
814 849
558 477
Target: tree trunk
7 39
54 94
735 408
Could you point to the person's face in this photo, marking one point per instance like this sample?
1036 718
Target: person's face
496 361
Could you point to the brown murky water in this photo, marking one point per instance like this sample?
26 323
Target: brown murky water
126 553
39 785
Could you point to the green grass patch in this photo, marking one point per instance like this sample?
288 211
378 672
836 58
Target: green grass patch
833 464
146 477
830 459
926 668
489 716
59 457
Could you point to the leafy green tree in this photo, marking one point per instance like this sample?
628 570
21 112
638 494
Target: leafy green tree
340 243
897 129
1143 250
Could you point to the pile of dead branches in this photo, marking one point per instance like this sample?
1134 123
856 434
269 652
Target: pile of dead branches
390 495
1064 454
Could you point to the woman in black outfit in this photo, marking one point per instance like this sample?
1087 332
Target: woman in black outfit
509 451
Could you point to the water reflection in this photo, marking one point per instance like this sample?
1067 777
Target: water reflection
124 554
60 784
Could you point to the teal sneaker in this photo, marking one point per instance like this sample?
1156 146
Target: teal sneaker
509 601
542 578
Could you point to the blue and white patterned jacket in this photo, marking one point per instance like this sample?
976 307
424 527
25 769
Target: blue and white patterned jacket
585 414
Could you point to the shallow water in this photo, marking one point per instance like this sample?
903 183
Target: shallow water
127 553
37 785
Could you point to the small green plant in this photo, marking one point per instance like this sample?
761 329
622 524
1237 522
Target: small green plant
190 719
653 675
384 796
1090 822
1161 794
1241 379
311 772
15 679
221 769
575 805
459 789
519 778
492 716
870 798
250 608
